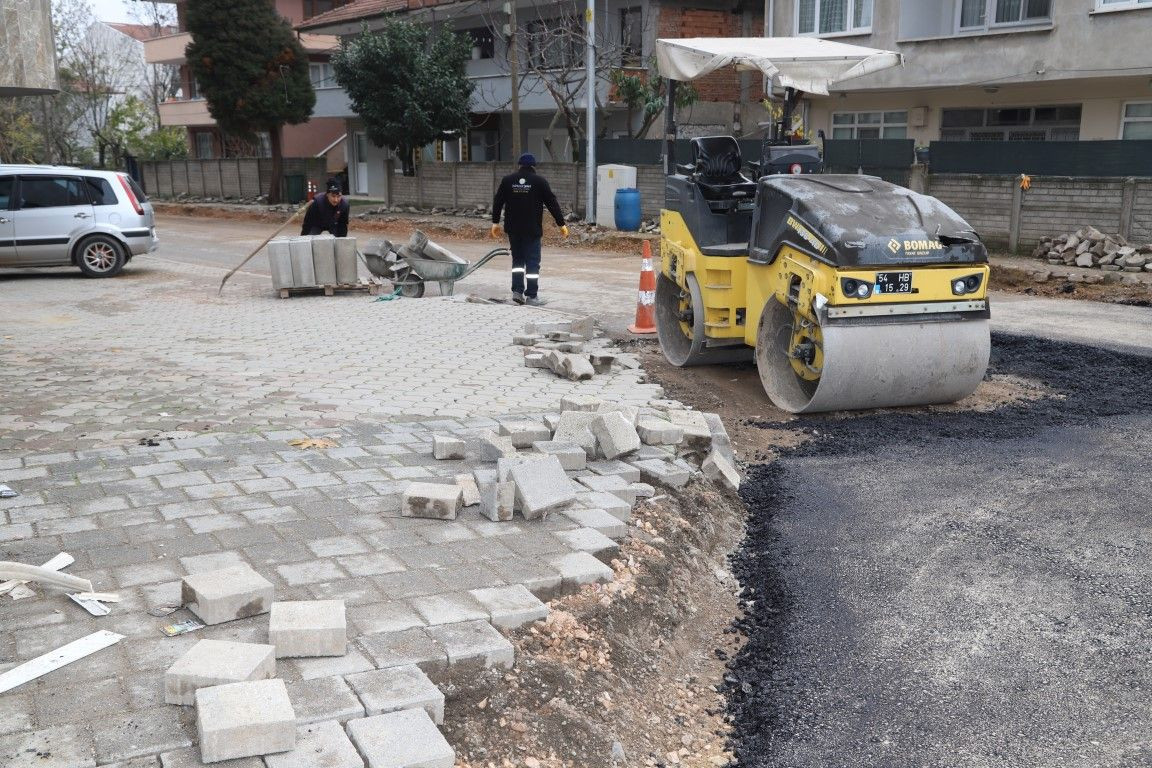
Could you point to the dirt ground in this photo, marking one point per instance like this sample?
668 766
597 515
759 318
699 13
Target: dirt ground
1017 280
624 674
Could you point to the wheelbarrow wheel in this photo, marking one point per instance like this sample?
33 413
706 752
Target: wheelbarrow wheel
412 290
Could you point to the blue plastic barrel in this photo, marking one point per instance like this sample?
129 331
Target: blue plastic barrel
628 210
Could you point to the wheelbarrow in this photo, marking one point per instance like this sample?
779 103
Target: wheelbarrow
409 271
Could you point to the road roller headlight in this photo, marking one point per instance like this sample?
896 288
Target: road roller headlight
855 289
969 284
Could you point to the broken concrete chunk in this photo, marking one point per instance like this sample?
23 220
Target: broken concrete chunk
615 435
579 403
216 662
585 327
572 457
244 720
545 327
526 340
574 367
718 467
535 360
304 628
601 362
470 492
448 447
523 432
542 486
656 431
431 500
227 594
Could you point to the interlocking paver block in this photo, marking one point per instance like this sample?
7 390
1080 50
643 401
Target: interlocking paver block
61 747
475 643
409 646
629 412
432 500
308 628
663 473
604 522
572 457
448 608
510 607
395 688
227 594
580 568
489 446
615 436
617 467
324 698
470 493
497 500
613 484
405 739
319 745
656 431
244 719
590 540
697 433
608 502
523 433
448 447
575 427
717 467
542 486
216 662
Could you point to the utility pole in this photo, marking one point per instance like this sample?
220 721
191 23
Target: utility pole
590 105
514 75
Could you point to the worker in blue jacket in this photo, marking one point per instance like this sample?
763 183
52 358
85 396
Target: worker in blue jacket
328 213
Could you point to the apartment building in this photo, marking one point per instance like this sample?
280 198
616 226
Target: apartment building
551 58
985 70
320 136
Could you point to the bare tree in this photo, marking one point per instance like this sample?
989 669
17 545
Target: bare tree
164 79
106 75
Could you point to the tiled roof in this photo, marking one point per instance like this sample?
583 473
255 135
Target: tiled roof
362 9
141 32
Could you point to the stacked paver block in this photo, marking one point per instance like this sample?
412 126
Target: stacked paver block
227 594
244 719
405 739
542 486
308 628
216 662
510 607
432 500
615 436
524 433
448 447
319 745
396 688
572 457
656 431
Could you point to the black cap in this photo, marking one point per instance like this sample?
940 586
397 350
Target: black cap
334 186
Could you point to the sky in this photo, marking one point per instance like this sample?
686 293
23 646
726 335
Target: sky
113 10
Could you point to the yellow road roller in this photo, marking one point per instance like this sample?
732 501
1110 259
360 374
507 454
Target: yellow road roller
848 291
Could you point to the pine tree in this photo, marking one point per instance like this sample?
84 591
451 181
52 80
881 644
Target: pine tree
252 71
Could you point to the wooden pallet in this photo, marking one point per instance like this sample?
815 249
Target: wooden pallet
373 287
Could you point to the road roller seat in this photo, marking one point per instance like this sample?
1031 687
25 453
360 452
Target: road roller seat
716 164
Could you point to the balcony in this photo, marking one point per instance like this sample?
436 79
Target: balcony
168 49
185 112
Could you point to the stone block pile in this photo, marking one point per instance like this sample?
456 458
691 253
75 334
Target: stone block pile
243 710
1090 248
571 349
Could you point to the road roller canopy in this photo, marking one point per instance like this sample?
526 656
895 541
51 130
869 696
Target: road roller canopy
850 220
805 63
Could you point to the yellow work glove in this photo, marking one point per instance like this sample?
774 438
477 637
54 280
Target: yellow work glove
495 231
564 231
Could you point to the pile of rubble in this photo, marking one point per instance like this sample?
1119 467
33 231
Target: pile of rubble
591 462
571 349
1089 247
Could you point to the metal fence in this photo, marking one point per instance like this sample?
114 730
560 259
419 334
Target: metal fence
890 159
1092 159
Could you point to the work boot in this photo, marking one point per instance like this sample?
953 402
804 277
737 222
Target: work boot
518 298
534 301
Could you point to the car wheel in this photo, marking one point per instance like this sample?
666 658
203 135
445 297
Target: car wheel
100 256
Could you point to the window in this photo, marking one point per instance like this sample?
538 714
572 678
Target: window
1046 123
870 125
552 44
483 145
263 144
1118 4
483 43
51 192
1137 123
205 149
632 34
100 191
321 75
5 192
317 7
826 17
982 14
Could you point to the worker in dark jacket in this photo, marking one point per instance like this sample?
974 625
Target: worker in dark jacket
522 197
328 213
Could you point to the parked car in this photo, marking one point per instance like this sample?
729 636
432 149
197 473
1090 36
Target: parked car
54 216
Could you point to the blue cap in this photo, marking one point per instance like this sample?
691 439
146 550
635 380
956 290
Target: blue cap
527 159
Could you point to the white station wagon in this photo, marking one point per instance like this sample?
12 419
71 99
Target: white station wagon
54 216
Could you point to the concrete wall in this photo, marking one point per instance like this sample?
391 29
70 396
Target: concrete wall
229 178
28 63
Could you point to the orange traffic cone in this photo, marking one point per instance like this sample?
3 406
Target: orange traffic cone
646 297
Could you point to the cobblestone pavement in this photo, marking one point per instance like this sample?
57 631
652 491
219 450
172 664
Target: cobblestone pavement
88 367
